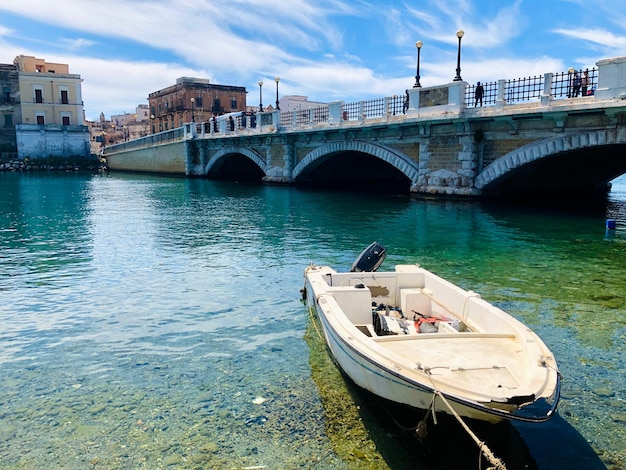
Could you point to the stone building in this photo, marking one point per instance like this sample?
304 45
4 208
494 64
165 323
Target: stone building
45 112
10 111
192 100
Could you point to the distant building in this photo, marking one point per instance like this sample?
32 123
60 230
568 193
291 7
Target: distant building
45 111
120 128
192 99
297 103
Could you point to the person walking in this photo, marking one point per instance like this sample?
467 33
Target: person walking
584 83
576 82
405 106
478 94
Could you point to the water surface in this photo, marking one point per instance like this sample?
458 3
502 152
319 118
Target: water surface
151 322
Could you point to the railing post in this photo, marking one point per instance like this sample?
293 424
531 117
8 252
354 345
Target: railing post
500 94
334 112
387 108
547 89
362 114
414 101
276 120
311 116
611 79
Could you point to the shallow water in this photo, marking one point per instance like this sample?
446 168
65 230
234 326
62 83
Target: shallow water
150 322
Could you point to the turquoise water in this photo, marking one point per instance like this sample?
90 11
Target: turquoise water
151 322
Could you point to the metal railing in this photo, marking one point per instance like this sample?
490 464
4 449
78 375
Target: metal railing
148 141
397 106
564 84
350 111
519 90
490 94
523 89
374 108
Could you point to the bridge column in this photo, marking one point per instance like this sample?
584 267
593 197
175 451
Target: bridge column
190 153
279 164
424 155
468 157
203 158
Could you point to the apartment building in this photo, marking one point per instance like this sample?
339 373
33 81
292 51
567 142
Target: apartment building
193 100
49 121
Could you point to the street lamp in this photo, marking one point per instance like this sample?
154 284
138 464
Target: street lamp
418 45
193 113
152 121
459 34
277 105
260 96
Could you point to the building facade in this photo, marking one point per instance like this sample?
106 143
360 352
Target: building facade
50 122
192 100
10 111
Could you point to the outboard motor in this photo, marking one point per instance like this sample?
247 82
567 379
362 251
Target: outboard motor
370 259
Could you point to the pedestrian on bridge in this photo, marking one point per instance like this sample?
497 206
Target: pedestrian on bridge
584 83
478 94
576 83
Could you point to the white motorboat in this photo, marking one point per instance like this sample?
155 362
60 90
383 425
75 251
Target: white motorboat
414 338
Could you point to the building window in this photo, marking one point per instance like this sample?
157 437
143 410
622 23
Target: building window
233 104
66 120
41 120
8 120
38 96
217 106
64 98
199 101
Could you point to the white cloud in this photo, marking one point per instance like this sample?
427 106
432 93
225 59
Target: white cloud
78 43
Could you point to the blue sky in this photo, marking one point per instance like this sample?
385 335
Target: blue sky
325 49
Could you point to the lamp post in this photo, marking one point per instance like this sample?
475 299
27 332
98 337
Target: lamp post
418 45
152 121
260 96
193 113
459 34
277 105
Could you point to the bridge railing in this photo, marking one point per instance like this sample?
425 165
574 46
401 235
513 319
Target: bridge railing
519 90
489 97
147 141
563 83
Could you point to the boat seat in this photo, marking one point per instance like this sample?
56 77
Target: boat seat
413 300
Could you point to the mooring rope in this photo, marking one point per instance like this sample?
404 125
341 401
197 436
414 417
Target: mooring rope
482 445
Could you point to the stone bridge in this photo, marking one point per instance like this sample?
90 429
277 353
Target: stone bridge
530 136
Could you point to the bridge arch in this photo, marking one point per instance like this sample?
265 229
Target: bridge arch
549 147
396 159
217 159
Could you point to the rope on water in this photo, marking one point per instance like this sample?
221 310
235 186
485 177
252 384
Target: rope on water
482 446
